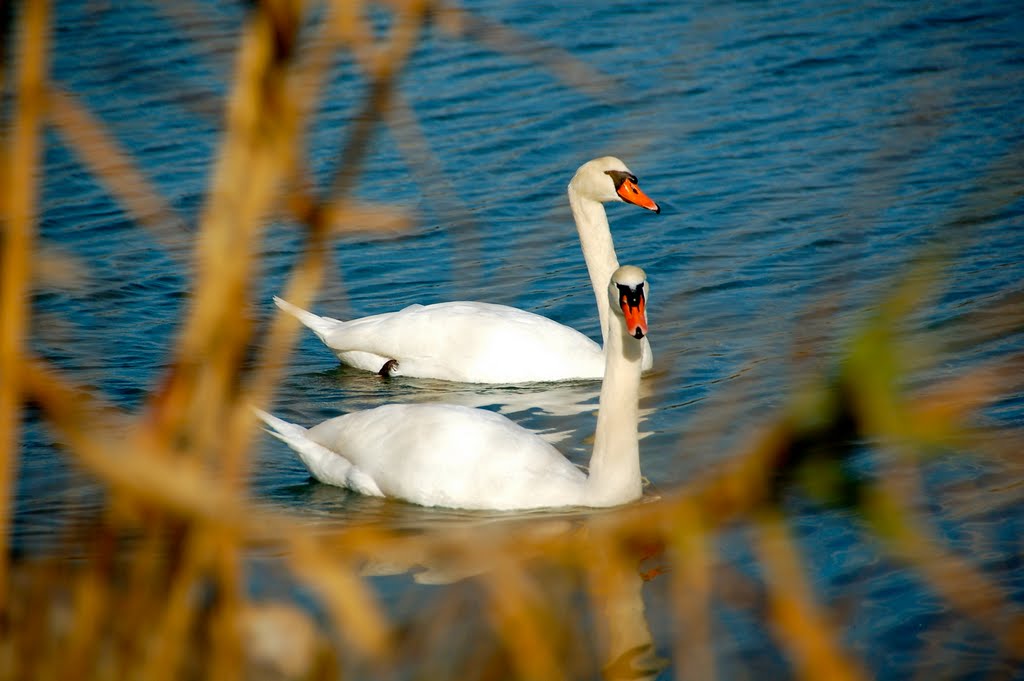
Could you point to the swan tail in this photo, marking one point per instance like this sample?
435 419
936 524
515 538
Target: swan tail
321 326
325 465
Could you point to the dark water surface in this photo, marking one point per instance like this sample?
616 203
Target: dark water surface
803 154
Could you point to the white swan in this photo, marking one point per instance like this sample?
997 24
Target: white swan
457 457
486 343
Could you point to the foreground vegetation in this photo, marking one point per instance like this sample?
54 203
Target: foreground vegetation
156 586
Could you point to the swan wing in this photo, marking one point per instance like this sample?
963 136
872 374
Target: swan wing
472 342
453 456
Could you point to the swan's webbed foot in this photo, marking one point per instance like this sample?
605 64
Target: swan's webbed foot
388 367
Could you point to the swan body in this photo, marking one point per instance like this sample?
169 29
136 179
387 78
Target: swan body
460 341
486 343
460 457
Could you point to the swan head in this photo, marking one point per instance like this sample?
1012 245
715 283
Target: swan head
607 179
627 294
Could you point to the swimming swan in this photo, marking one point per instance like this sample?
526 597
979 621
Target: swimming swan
458 457
487 343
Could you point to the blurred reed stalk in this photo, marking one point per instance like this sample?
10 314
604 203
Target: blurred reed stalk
155 588
18 189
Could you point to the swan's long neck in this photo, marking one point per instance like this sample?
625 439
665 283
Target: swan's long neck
598 249
615 464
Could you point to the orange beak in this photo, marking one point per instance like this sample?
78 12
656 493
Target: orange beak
629 192
636 316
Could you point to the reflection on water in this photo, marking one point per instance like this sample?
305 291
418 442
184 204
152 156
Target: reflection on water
614 585
540 407
627 646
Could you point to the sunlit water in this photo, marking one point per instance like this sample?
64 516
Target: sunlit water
802 153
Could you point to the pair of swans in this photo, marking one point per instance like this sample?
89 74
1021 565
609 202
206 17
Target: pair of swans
458 457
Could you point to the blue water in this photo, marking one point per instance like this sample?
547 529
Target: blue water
803 154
